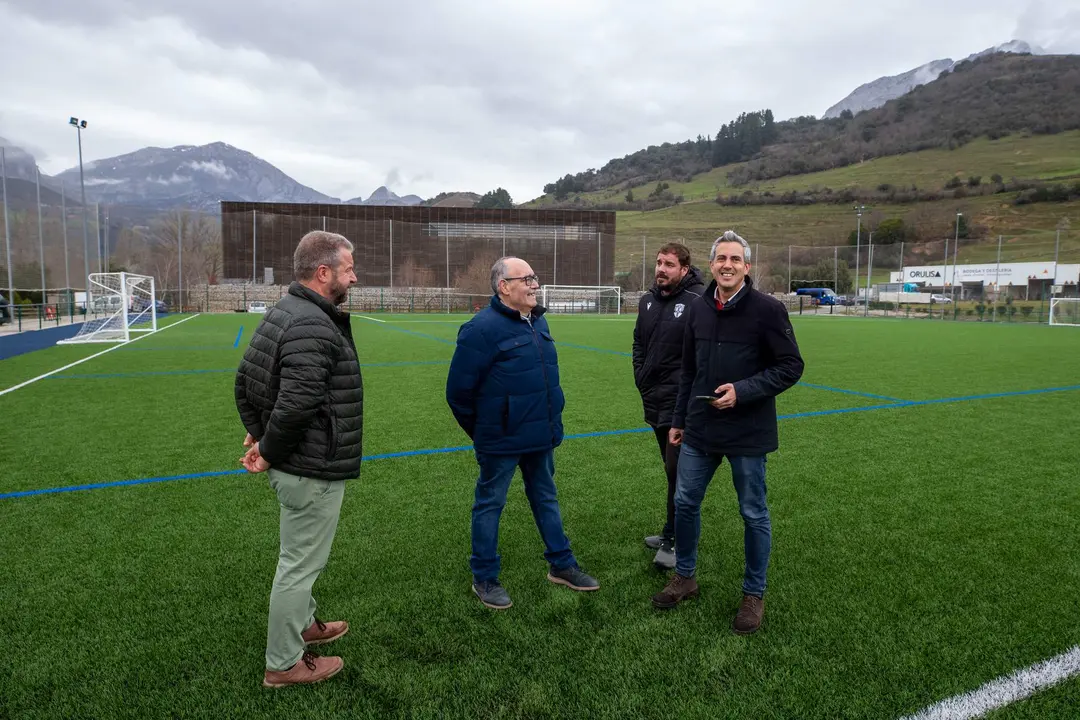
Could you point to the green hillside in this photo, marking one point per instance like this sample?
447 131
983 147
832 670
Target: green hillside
1029 157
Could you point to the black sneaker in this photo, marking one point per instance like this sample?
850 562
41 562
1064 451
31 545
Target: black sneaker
653 541
573 578
665 555
492 594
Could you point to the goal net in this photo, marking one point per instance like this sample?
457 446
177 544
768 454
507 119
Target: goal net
118 306
1065 311
581 299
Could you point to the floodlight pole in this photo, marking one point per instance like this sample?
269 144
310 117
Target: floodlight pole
41 240
80 125
858 244
67 268
7 230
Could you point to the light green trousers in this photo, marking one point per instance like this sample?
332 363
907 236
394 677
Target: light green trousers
309 517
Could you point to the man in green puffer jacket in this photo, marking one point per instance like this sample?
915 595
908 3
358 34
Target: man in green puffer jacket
301 397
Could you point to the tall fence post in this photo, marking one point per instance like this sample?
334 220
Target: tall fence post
391 258
643 286
254 234
997 280
788 288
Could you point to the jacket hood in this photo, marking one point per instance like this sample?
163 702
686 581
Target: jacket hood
693 277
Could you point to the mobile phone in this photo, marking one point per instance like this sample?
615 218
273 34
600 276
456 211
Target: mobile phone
710 398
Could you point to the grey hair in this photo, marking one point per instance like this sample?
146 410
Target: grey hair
499 271
730 236
317 248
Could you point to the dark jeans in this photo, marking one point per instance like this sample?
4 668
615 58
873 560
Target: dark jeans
496 472
696 470
669 455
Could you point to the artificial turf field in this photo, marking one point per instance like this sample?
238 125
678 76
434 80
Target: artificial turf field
925 506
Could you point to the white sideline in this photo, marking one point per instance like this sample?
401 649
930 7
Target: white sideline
1006 690
371 318
13 388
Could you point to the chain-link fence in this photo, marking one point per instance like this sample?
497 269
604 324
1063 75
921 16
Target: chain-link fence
422 247
439 260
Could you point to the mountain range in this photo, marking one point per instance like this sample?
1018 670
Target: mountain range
875 94
199 177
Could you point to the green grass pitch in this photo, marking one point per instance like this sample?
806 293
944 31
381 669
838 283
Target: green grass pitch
920 549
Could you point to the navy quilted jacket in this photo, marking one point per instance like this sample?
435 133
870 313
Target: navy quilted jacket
503 384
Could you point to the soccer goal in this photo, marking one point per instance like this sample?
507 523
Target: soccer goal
582 299
1065 311
118 306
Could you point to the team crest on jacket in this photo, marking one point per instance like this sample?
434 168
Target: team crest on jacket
678 309
648 305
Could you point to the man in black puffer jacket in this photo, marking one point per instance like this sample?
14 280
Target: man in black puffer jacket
739 353
658 348
300 395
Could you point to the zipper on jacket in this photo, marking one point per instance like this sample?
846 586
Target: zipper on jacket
547 386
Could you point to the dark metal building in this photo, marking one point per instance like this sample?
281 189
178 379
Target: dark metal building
416 246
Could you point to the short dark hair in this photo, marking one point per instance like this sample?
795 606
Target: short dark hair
318 248
678 250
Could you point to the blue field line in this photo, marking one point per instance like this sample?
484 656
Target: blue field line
237 343
173 348
592 349
602 433
850 392
144 373
388 326
152 373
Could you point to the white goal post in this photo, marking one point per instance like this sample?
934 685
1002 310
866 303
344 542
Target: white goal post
118 306
1065 311
575 299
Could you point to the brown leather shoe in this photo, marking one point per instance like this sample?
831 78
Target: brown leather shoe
748 619
321 633
679 588
310 669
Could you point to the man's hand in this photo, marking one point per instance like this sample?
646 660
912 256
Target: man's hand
249 441
727 397
674 436
253 461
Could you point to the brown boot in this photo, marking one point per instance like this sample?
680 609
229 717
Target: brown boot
748 619
321 633
679 588
310 669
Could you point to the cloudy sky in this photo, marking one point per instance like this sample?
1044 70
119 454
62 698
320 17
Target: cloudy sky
459 95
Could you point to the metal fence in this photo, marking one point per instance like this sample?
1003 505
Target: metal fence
396 247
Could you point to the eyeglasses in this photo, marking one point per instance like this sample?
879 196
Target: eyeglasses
529 279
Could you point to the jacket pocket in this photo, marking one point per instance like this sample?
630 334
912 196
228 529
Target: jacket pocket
331 433
506 413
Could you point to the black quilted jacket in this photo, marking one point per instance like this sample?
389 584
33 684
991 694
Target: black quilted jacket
299 390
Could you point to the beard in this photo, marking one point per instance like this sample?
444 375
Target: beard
339 292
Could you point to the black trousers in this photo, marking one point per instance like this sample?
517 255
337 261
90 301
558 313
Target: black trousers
669 454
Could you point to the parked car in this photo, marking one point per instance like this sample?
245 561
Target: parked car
5 314
257 306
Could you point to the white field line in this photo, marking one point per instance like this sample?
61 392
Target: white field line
1005 690
371 318
13 388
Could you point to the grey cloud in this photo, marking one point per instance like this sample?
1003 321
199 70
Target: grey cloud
512 94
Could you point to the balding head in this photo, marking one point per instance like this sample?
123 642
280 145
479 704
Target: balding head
513 280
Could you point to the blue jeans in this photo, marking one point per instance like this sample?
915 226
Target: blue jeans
696 470
496 472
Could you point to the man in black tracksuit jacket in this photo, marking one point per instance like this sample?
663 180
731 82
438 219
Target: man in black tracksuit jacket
657 357
739 353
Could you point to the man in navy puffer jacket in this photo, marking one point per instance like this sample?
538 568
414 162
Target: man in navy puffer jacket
503 389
